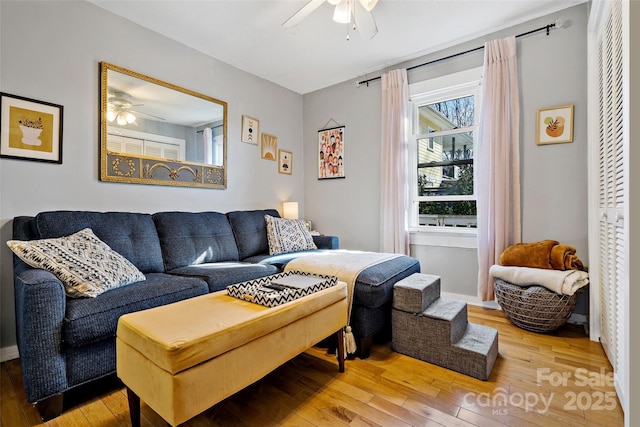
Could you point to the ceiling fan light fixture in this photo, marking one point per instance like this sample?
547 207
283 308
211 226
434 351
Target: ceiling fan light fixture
356 12
111 116
121 120
342 12
368 4
130 118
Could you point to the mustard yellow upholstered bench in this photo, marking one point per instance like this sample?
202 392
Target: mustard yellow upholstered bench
183 358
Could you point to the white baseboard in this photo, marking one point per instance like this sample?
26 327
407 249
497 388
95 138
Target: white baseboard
472 300
9 353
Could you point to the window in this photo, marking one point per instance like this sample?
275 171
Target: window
430 142
445 126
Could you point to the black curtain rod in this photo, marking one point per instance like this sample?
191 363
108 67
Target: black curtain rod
546 27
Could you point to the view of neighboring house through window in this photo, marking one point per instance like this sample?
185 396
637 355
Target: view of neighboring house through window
445 127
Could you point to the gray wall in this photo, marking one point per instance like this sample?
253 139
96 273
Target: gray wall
71 38
552 72
51 51
347 207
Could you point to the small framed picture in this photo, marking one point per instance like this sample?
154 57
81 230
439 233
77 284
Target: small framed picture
269 147
555 125
285 162
250 130
30 129
331 153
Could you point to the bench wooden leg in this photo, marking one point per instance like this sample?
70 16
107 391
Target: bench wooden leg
341 350
134 407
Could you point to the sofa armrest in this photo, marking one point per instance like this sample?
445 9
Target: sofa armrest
40 303
326 242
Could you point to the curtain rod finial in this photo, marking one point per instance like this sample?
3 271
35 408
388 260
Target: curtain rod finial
562 23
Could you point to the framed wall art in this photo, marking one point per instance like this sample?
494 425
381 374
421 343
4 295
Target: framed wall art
250 130
331 153
30 129
269 146
555 125
285 162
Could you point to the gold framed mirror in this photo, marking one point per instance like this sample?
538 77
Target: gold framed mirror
154 132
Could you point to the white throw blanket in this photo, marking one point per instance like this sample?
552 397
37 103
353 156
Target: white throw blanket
564 282
346 265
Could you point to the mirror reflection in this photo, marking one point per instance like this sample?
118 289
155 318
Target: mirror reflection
156 132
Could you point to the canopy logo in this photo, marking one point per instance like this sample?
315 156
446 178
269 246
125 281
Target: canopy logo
500 400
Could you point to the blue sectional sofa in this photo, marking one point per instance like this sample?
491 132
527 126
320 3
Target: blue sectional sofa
65 342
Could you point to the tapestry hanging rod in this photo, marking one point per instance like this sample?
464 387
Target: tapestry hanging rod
557 24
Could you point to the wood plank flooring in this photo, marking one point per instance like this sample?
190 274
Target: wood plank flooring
538 380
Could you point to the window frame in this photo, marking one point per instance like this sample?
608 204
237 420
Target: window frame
465 83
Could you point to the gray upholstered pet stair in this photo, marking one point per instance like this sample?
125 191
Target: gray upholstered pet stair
435 329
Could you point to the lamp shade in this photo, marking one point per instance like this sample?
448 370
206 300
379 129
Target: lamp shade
290 210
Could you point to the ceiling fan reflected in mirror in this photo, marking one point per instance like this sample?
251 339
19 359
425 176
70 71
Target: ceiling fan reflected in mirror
119 108
356 13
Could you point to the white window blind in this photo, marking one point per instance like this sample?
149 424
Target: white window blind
610 138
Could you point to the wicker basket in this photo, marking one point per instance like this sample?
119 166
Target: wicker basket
534 308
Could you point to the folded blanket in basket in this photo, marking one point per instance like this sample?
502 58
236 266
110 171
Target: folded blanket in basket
565 282
549 254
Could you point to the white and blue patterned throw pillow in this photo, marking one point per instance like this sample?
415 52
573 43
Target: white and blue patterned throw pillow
287 235
84 264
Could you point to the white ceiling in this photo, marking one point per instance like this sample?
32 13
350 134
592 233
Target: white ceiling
315 54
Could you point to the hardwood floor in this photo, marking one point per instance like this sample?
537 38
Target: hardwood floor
538 380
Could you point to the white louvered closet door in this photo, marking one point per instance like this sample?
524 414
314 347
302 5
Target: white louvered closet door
609 275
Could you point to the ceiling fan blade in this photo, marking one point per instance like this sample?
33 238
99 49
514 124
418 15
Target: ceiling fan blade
147 114
302 13
365 24
368 4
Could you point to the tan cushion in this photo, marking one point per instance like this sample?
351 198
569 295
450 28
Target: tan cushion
181 335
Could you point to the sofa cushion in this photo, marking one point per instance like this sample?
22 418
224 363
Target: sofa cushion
84 264
196 336
250 231
91 320
374 285
219 275
132 235
188 238
287 235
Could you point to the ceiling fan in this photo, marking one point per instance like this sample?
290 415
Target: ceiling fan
352 12
119 108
